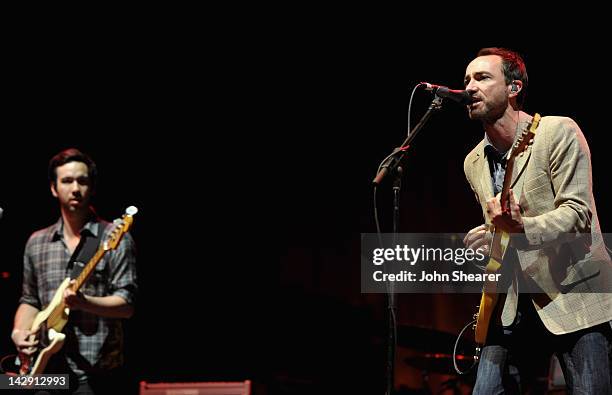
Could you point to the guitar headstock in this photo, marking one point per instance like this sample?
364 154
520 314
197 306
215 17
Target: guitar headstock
122 225
519 147
526 138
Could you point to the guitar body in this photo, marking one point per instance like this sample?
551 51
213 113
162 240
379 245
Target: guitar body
56 343
51 320
489 297
499 244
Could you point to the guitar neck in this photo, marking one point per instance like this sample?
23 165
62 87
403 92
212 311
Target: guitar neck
505 192
88 269
518 147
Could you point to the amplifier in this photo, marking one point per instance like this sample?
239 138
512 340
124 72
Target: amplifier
198 388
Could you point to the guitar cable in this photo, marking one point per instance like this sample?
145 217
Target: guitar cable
474 362
3 361
469 324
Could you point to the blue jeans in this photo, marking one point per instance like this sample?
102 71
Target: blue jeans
509 362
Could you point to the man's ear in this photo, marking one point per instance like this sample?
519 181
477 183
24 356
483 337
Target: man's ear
515 87
53 190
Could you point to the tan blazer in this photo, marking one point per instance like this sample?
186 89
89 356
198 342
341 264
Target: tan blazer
562 255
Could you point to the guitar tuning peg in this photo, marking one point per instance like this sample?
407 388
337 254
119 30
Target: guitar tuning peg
475 316
132 210
521 154
531 141
474 327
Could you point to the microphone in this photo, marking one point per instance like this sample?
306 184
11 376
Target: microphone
461 97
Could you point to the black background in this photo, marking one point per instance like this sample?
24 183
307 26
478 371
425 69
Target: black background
251 165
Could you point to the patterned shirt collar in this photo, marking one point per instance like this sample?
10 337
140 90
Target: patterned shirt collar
91 227
490 149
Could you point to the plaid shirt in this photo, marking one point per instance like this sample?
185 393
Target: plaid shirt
92 342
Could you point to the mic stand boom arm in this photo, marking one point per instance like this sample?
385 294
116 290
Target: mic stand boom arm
393 160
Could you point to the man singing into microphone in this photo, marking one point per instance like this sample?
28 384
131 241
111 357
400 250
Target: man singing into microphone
556 294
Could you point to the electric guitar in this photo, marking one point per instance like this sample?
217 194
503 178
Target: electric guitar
48 323
500 242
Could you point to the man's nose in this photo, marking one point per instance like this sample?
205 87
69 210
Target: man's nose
471 87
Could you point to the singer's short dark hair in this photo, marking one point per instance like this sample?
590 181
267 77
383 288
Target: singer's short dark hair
72 155
513 67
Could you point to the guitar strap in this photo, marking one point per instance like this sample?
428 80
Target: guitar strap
85 250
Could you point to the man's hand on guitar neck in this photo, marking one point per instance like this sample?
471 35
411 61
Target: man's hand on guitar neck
112 306
510 221
74 300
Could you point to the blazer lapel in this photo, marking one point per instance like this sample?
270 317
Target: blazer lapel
483 174
520 163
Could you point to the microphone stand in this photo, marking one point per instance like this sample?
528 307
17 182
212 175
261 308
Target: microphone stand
391 164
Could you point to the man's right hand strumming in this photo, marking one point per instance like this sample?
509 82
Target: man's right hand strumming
478 238
21 339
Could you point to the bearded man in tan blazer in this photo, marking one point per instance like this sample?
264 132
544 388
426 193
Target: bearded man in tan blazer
557 273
